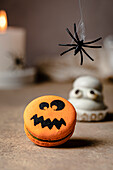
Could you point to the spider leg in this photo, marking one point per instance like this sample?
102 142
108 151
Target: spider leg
71 35
76 32
87 54
67 51
77 49
81 57
90 42
68 45
91 46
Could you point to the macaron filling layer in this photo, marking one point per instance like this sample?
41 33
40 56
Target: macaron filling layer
48 140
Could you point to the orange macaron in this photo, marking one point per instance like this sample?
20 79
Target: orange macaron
49 120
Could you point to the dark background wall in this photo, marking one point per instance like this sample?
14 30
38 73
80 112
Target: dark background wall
46 20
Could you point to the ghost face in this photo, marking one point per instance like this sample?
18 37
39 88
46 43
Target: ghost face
86 93
86 98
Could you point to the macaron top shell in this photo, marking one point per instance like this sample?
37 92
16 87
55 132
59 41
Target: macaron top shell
50 117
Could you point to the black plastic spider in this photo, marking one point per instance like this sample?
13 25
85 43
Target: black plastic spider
17 60
78 47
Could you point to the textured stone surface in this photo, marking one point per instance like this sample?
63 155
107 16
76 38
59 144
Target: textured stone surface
91 146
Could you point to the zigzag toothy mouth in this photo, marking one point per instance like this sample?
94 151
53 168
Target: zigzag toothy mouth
48 122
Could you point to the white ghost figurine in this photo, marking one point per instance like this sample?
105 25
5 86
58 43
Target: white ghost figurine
87 98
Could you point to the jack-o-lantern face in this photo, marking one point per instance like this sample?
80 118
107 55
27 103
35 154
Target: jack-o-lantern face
49 120
56 105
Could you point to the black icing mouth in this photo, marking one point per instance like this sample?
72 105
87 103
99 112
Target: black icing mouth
48 122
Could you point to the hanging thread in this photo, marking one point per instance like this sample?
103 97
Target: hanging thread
81 26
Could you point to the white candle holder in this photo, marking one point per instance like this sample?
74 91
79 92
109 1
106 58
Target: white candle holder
14 79
13 71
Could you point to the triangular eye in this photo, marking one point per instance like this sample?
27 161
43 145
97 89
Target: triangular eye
58 103
43 106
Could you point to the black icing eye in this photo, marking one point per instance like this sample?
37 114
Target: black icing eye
92 92
78 93
57 105
43 106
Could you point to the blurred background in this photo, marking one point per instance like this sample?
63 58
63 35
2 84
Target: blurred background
45 23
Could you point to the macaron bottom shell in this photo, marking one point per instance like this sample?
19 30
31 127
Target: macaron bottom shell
48 143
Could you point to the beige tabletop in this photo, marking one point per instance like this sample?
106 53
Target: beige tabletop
91 146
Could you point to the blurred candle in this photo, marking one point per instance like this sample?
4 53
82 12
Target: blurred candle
3 20
12 43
